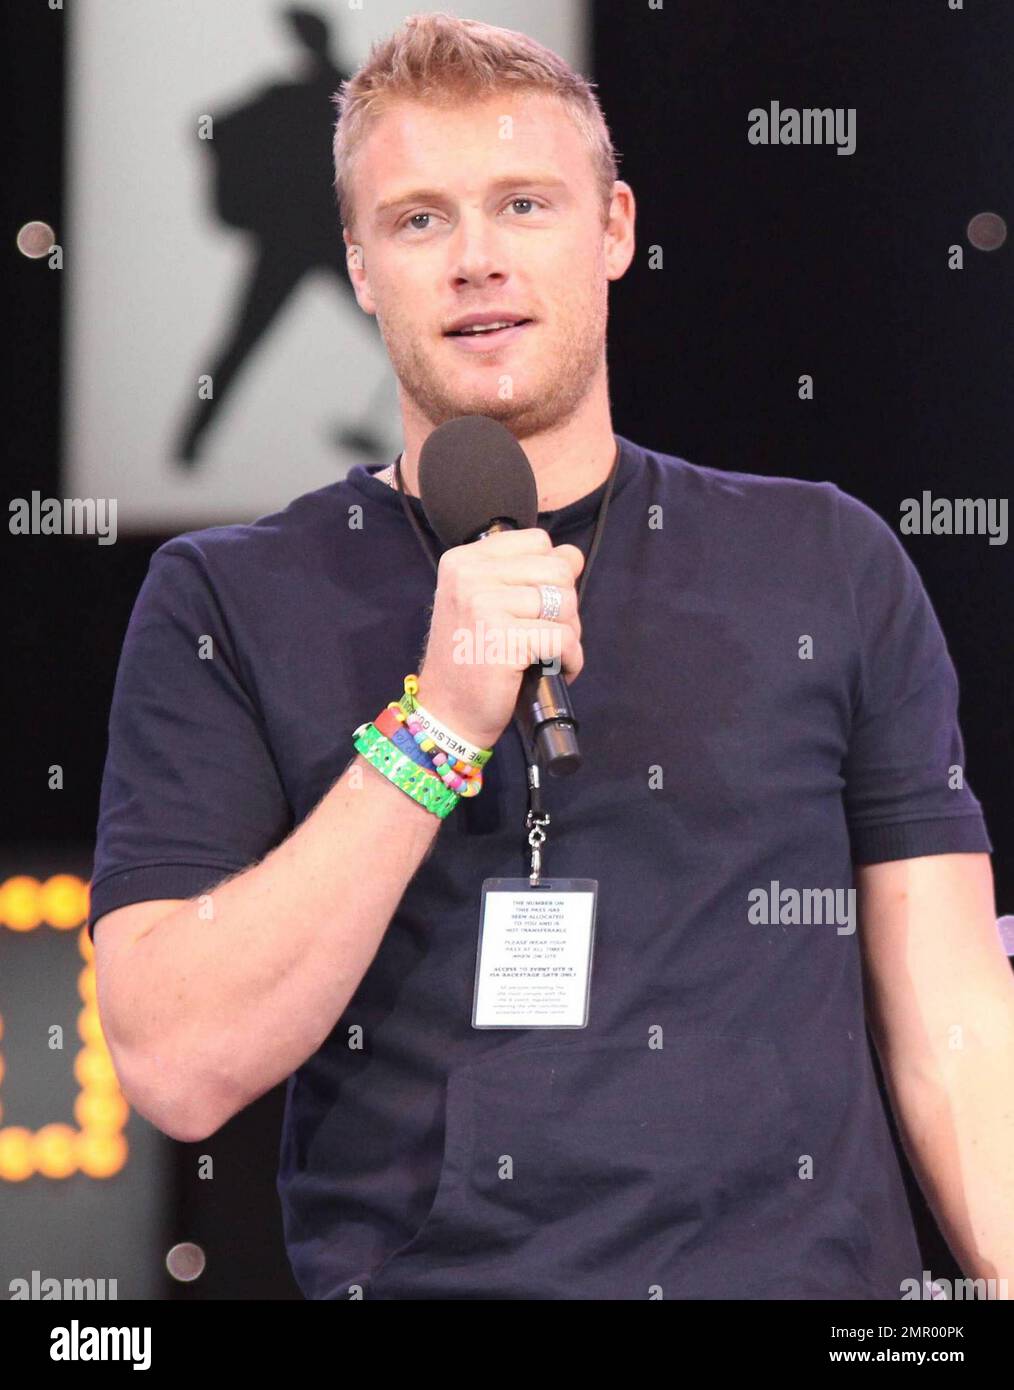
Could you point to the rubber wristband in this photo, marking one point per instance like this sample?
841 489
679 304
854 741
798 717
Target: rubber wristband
420 783
400 735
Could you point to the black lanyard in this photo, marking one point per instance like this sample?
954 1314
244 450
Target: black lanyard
537 817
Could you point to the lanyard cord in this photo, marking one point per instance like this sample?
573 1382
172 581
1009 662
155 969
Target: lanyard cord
537 817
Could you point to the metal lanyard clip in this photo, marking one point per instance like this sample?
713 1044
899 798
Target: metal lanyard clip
535 822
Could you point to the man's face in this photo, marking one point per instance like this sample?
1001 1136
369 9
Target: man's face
478 224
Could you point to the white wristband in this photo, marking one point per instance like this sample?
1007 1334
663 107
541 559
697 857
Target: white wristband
448 742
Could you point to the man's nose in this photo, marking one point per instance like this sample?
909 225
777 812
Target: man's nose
477 248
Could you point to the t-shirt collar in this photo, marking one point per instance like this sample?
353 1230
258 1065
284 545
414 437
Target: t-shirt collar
578 513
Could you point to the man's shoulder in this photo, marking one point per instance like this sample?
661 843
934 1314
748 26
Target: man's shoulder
731 489
802 520
298 532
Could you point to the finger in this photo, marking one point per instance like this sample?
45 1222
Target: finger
574 556
529 569
525 601
547 643
528 540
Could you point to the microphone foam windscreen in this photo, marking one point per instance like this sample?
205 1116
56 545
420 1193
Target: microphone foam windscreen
473 471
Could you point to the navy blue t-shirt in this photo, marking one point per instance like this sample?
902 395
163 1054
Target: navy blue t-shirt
767 701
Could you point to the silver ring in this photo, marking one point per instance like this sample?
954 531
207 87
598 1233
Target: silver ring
552 600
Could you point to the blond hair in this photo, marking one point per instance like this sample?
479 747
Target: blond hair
436 56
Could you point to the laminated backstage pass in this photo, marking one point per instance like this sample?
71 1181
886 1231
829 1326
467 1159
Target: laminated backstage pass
534 961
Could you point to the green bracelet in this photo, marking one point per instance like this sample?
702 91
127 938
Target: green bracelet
423 786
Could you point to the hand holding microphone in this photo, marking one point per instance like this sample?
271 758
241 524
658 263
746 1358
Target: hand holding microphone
485 630
479 494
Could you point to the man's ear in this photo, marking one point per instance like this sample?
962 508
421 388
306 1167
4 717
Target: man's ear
619 236
356 266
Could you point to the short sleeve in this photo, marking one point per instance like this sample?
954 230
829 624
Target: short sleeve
190 791
906 792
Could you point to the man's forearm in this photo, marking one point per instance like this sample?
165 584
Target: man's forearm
233 991
958 1130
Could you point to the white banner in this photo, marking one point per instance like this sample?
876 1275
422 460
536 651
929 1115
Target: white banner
222 258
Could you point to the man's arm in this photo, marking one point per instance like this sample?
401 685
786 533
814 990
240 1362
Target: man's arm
204 1013
940 1001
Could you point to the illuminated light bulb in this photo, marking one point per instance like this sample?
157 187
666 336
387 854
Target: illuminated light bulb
89 1028
93 1070
19 903
63 901
55 1148
101 1155
101 1112
16 1160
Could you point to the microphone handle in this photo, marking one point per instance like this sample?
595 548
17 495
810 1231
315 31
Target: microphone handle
544 707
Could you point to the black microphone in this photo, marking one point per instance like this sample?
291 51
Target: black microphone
475 479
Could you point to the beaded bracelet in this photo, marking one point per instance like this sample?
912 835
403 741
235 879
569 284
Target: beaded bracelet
464 786
462 779
421 783
407 734
452 744
463 775
404 743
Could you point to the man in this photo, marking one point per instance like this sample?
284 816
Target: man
768 719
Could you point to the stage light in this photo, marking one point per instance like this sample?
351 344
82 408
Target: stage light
55 1151
97 1147
185 1262
17 1161
20 909
63 901
36 239
987 231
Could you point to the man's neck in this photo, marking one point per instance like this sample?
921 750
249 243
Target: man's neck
593 474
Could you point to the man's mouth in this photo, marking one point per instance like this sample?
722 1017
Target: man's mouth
489 334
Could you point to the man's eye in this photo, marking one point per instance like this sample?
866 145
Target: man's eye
413 219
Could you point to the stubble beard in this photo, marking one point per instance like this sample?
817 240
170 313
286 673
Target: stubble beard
545 405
